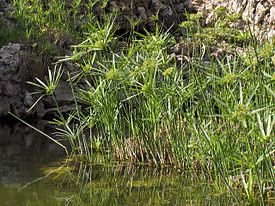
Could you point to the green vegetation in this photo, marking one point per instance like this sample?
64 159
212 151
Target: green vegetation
213 116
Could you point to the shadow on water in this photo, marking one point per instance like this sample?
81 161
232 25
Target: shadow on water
22 152
32 173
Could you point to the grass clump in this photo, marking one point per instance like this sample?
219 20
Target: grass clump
140 103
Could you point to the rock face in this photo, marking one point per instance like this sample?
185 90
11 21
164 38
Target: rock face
15 95
12 92
5 10
259 14
146 12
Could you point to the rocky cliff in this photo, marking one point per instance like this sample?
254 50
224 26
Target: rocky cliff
257 14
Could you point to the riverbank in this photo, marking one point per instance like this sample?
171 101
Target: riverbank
195 96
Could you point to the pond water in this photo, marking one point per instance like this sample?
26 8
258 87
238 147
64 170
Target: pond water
33 171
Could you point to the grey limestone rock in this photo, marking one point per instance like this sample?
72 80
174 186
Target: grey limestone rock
260 14
10 79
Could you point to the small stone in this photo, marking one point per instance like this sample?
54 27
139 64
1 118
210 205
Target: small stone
28 100
142 12
180 7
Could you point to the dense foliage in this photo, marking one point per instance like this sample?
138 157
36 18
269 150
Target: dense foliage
201 110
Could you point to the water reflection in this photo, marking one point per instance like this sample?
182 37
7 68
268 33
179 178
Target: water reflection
32 175
21 151
101 184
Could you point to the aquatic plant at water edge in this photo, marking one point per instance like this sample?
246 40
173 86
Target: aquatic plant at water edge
137 101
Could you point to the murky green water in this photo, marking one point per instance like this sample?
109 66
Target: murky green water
32 175
104 185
